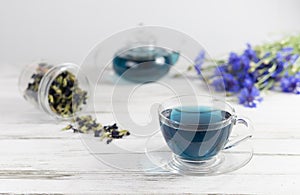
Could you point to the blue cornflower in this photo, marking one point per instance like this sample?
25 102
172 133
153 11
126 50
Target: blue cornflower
244 67
279 57
285 55
199 60
282 61
226 82
266 55
218 84
251 53
250 71
244 76
292 58
287 49
245 61
239 64
250 97
247 82
220 70
290 84
280 68
235 61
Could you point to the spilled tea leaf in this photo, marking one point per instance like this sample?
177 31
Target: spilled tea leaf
85 124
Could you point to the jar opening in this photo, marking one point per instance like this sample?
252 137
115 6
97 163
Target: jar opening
64 91
59 90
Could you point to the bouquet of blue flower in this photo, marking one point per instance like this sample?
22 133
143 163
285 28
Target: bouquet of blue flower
271 66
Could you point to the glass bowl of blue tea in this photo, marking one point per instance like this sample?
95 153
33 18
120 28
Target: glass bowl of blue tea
197 129
144 63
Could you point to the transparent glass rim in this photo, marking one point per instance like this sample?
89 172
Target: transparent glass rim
195 126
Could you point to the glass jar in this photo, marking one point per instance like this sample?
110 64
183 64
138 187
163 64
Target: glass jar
60 90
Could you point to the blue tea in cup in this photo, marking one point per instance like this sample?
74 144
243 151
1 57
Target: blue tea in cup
196 140
196 133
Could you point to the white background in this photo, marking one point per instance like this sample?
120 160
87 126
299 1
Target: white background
65 30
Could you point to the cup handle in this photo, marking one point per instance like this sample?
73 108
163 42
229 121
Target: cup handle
241 138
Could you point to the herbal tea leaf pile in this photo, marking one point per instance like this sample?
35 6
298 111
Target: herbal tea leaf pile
272 66
85 124
65 97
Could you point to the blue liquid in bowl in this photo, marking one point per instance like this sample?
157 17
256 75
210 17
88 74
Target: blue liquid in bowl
144 64
201 141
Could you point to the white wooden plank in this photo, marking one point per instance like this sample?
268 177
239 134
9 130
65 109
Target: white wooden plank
137 184
71 155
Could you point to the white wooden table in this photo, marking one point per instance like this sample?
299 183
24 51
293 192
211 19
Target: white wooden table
36 157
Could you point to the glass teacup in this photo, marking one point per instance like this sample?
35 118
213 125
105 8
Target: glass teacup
197 128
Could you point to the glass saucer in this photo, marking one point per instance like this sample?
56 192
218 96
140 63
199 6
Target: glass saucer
226 161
